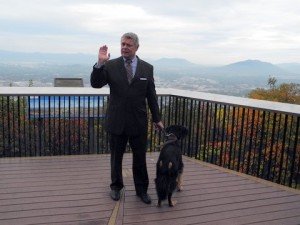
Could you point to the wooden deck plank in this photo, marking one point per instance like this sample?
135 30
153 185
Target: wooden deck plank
55 190
73 190
260 216
196 204
215 212
290 221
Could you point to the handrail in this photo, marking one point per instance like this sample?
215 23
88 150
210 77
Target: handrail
216 98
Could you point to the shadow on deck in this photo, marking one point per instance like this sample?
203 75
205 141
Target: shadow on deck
74 190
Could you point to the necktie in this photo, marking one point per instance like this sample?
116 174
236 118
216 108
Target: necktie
128 69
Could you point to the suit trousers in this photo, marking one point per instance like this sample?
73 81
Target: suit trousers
138 146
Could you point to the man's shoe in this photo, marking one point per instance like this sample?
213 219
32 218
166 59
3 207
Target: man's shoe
145 198
115 195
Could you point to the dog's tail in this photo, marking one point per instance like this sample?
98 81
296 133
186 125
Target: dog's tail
161 184
164 182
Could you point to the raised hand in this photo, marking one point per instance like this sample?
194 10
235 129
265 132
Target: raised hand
103 55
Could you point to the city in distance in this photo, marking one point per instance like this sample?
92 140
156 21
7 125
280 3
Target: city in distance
237 79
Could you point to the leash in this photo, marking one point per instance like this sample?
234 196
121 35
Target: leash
168 138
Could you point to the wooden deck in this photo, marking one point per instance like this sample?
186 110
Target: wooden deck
74 190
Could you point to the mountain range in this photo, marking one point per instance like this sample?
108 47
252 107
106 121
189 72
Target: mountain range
242 68
75 58
169 72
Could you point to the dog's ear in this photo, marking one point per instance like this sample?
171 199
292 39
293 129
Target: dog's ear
178 130
168 129
181 131
184 132
174 129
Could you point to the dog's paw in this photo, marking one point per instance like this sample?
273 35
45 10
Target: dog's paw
159 203
179 188
172 203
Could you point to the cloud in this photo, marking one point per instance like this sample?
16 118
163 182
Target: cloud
201 31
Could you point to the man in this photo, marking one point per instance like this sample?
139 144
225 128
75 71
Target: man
131 83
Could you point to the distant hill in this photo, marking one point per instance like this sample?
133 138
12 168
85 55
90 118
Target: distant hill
248 69
173 62
254 68
182 66
169 72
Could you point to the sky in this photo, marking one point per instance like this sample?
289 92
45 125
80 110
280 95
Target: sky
214 32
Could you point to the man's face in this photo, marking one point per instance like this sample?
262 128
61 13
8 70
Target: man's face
128 48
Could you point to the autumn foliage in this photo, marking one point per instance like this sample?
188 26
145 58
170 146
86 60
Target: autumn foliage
287 93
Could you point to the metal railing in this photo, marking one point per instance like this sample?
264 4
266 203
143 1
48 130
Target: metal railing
255 137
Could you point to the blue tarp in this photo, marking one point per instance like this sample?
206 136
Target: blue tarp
65 106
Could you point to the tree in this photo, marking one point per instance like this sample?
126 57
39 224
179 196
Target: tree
287 93
30 83
272 82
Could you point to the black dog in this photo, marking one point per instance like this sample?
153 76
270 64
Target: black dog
169 165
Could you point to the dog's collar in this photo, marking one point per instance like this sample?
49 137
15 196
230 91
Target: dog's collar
170 138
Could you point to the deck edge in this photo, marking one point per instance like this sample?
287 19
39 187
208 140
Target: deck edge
260 180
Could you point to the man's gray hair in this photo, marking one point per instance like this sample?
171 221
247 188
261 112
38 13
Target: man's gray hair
132 36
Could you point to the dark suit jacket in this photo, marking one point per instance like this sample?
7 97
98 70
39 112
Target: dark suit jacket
127 110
